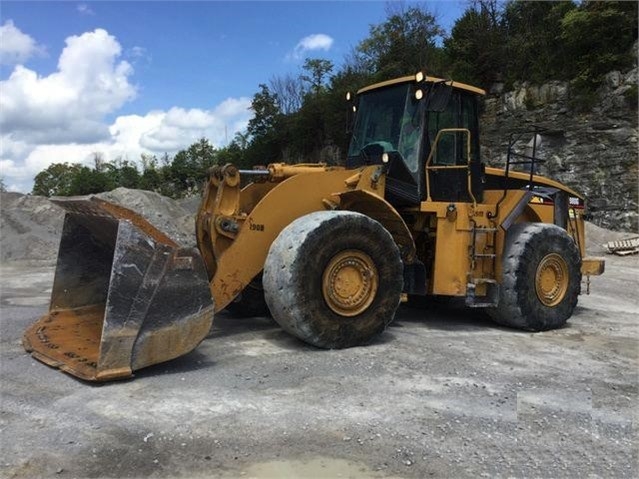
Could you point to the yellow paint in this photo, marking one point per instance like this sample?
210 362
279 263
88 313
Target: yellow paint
235 228
429 79
592 266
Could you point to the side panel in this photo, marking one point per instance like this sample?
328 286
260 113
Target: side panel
451 257
468 237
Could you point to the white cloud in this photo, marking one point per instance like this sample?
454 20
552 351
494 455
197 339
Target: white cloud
316 41
16 46
84 9
179 127
128 137
69 104
60 117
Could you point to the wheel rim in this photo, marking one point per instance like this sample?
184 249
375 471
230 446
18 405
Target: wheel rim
350 282
551 279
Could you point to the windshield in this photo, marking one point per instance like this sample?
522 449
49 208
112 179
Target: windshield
388 120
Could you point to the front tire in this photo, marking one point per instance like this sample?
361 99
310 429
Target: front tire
541 278
333 279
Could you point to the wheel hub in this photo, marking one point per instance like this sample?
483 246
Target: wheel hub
551 279
350 282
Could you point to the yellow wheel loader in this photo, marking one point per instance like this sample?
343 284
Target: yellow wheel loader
329 251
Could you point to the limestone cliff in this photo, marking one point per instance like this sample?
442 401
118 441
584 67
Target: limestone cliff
593 148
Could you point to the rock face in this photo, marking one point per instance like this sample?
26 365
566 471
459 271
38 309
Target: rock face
595 152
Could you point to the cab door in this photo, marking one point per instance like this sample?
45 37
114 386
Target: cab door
452 144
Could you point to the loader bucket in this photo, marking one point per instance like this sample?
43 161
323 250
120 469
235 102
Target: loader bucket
125 296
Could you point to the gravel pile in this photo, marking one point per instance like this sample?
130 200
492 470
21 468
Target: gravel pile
164 213
31 225
30 228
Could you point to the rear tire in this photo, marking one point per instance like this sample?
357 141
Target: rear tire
541 278
333 279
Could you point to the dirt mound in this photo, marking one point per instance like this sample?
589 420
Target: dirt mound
31 225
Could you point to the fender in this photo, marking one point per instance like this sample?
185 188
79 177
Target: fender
379 209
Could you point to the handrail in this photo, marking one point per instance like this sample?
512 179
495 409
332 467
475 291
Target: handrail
513 138
450 167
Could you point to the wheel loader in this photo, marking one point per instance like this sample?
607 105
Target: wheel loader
329 251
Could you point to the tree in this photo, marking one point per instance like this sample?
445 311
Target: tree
55 180
597 37
289 91
88 181
266 129
266 113
126 174
475 48
534 49
234 153
316 72
151 178
189 167
405 43
3 188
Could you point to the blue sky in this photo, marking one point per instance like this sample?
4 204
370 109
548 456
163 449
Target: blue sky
126 78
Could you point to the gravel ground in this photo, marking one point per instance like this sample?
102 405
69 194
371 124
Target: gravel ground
442 393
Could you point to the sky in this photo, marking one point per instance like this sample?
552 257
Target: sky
130 78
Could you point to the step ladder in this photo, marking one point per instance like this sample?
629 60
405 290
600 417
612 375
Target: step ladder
485 259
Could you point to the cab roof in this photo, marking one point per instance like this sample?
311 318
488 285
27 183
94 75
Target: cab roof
428 79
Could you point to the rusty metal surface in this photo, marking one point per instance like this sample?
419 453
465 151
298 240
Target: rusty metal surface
69 339
97 207
121 299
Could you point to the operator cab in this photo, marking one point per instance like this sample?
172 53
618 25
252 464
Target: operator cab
417 122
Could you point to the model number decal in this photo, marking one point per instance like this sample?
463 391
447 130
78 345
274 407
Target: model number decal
256 227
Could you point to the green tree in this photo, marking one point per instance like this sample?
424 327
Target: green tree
150 179
266 129
86 181
598 37
189 168
55 180
266 113
315 73
403 44
534 50
126 174
475 48
234 152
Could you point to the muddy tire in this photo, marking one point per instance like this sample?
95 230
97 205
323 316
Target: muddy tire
541 278
333 279
250 303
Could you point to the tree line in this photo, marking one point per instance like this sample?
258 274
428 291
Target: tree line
303 117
